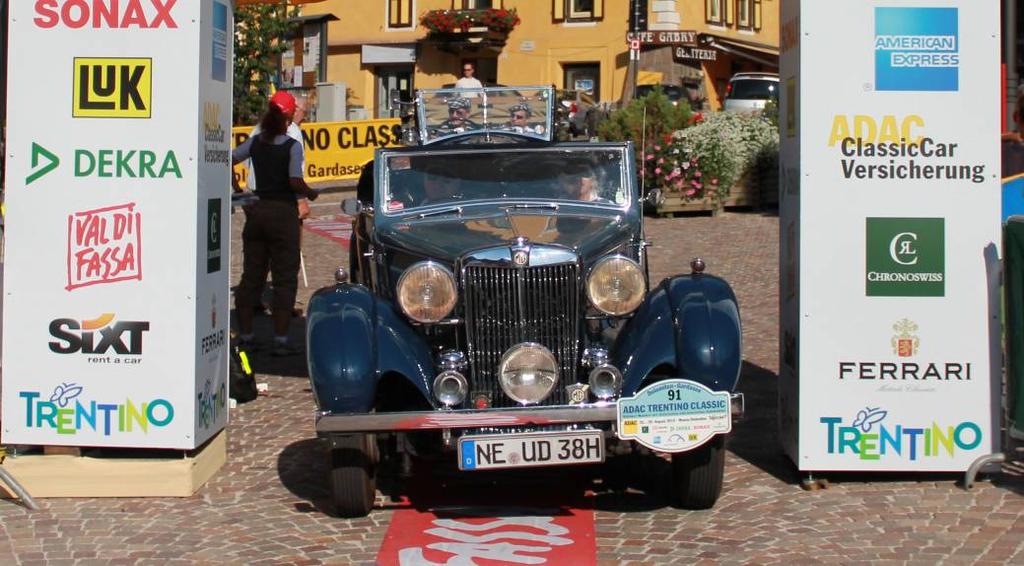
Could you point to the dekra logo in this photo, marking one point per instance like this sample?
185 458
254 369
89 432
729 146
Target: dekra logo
97 336
113 14
113 87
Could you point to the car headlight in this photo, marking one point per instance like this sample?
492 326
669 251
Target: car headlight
616 285
426 292
528 372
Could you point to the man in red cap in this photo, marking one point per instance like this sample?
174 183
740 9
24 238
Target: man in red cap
270 239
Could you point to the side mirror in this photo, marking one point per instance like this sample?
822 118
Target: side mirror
351 206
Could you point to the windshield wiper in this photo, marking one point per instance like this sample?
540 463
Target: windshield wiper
546 205
441 212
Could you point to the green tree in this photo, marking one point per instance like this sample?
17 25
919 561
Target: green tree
260 31
630 123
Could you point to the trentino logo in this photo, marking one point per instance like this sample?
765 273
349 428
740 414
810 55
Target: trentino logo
917 49
906 257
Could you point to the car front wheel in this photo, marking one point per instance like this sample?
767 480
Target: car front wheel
697 475
353 463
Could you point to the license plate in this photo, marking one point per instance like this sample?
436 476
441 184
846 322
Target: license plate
490 452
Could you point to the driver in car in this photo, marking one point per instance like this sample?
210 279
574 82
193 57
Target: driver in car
439 188
579 184
518 115
458 117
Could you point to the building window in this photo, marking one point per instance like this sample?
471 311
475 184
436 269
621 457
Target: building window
577 10
399 13
714 11
748 14
584 78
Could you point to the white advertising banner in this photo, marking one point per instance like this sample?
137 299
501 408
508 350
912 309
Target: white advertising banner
889 234
115 281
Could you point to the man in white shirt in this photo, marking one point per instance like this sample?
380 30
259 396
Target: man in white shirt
468 80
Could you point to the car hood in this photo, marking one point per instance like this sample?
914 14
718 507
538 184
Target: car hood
447 239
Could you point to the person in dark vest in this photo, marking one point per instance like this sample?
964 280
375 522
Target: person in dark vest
270 239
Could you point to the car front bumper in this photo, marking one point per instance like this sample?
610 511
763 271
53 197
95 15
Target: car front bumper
517 417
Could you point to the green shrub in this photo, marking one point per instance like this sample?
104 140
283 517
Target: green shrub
662 119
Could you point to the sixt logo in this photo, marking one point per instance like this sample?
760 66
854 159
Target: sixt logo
97 336
113 14
869 438
66 413
917 49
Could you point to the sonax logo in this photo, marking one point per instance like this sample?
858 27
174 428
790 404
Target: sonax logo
917 49
109 14
112 88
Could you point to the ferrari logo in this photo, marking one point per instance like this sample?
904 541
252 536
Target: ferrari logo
905 343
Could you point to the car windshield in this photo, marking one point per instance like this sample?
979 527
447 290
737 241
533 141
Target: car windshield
754 89
591 176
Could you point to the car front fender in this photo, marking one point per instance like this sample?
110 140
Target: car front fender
353 338
689 322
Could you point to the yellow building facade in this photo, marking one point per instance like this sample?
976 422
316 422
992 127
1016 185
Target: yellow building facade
377 48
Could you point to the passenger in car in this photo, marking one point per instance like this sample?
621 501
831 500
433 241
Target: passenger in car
579 184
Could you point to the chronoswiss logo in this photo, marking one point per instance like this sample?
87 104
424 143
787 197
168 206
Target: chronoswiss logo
905 342
906 257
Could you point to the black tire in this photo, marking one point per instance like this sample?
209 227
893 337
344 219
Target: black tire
353 479
697 475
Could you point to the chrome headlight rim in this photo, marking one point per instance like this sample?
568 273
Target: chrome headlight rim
597 304
450 398
516 350
428 264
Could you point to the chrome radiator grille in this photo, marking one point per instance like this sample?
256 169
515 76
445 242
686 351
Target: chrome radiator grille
506 306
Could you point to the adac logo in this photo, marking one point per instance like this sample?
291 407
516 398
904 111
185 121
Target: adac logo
105 14
112 87
98 336
905 343
906 257
917 49
869 437
215 150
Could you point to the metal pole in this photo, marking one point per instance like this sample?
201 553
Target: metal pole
636 64
1010 16
18 490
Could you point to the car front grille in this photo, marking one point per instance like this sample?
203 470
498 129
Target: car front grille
506 306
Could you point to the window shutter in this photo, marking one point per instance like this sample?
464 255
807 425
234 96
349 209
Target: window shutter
598 9
757 14
730 13
558 10
707 10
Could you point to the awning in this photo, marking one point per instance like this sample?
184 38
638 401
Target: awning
292 2
394 53
313 19
762 53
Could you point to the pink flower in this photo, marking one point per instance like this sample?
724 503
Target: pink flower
657 170
696 184
657 148
697 174
691 192
714 181
661 160
650 156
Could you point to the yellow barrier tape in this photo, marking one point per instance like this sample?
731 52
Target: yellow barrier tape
334 150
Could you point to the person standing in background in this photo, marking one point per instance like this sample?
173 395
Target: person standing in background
294 132
468 79
1013 143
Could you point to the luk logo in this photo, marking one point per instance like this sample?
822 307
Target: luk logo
98 336
906 257
917 49
77 14
112 88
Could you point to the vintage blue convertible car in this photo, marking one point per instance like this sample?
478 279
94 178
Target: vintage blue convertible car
497 311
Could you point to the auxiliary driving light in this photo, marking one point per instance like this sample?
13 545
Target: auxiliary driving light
528 373
606 382
450 388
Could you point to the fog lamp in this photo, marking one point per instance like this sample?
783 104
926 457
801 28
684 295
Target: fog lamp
606 382
450 388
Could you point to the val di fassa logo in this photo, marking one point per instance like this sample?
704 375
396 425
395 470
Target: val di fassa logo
99 336
917 49
105 14
897 373
69 410
897 148
873 435
905 257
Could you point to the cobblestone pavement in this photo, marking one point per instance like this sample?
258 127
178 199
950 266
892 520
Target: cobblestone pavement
266 505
